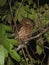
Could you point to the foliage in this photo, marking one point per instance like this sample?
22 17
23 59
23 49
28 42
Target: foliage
29 9
7 43
2 2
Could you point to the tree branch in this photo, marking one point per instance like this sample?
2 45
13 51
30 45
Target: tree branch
43 32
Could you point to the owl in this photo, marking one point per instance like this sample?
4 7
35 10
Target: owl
26 29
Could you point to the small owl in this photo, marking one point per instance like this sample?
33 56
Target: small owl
26 29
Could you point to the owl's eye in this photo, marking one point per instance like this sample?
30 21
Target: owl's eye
28 23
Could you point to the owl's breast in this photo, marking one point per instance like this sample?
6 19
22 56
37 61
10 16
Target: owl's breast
24 34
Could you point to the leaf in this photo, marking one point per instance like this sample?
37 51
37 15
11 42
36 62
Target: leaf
39 49
17 4
45 18
33 15
10 62
34 5
2 2
21 13
46 6
26 8
19 17
47 36
23 62
46 15
5 52
30 2
40 46
15 55
7 43
38 61
8 46
8 18
42 9
3 17
2 57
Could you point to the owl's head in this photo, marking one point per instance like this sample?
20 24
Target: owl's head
27 22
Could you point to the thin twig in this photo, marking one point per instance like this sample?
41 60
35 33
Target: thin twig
25 56
29 55
46 47
43 58
39 17
12 18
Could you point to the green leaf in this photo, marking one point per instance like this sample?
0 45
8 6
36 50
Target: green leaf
5 52
15 55
2 2
40 46
33 15
30 2
2 57
34 5
46 15
21 13
8 18
39 49
38 61
3 17
46 6
26 8
42 9
47 36
10 62
45 18
17 4
23 62
7 43
8 46
19 17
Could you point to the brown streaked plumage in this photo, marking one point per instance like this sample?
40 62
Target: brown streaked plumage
26 30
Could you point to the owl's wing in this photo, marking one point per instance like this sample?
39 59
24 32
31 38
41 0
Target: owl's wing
16 29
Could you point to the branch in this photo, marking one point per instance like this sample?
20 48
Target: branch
12 18
44 31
